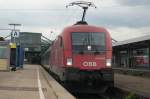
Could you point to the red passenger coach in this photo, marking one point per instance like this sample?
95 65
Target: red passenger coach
81 57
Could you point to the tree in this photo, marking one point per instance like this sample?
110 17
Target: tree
2 39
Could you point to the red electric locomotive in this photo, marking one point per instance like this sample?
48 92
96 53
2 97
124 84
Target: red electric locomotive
81 58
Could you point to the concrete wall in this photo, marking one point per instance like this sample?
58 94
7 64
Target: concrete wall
4 55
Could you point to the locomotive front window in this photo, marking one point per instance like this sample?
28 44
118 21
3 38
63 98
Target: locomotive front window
88 42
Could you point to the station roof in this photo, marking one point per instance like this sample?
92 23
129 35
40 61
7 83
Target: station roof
31 41
134 40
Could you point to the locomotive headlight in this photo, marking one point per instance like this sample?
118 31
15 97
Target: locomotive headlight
69 61
108 63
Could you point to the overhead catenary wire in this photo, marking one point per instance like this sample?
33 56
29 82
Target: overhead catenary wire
7 36
36 10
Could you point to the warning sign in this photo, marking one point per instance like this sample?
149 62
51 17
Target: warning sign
15 34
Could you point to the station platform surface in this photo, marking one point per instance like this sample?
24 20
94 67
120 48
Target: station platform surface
32 82
135 84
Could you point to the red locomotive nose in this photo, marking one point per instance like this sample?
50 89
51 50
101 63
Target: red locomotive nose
90 62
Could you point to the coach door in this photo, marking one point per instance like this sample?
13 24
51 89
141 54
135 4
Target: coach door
124 61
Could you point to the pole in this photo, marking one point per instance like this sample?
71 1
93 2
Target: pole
84 12
13 41
14 24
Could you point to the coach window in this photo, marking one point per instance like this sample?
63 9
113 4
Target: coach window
61 42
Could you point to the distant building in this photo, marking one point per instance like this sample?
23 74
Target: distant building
132 53
31 42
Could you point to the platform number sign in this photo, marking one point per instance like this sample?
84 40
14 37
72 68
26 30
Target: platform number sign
15 34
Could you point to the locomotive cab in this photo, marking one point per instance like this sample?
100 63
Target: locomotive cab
87 57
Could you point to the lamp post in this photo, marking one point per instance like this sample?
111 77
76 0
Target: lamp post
14 24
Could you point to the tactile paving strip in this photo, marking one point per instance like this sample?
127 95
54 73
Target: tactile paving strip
21 88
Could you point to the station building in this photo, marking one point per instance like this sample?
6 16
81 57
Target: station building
31 42
132 53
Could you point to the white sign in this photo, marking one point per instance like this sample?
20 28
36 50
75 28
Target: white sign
26 49
15 34
89 63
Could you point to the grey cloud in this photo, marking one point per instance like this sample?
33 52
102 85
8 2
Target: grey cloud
121 21
133 2
53 15
37 18
116 17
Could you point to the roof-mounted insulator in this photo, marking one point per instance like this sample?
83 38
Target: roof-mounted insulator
81 23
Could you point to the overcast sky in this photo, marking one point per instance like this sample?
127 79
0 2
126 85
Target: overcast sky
124 19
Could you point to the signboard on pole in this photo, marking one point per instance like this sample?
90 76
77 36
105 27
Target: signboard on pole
15 34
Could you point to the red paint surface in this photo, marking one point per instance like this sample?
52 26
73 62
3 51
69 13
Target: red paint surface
60 54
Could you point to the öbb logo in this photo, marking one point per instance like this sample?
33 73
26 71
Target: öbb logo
89 64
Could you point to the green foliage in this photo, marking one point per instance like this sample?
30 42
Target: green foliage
131 96
1 39
136 73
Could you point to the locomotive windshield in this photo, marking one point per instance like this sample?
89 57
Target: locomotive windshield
91 42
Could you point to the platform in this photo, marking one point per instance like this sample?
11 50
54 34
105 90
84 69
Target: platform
133 72
137 85
32 82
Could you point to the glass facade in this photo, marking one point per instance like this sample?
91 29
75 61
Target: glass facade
131 56
141 57
3 52
123 58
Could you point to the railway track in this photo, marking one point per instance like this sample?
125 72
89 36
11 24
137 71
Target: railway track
113 94
92 96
